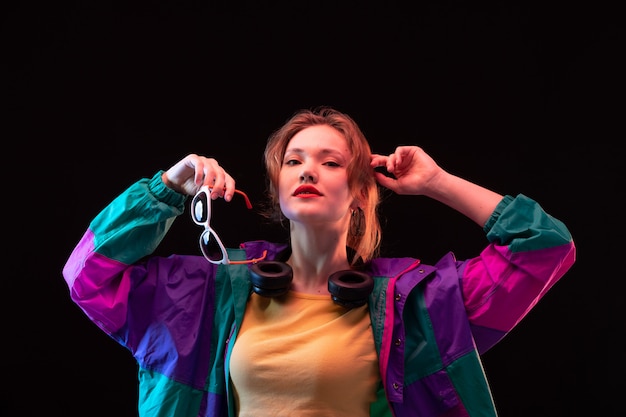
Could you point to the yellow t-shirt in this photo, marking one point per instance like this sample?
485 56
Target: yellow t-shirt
303 355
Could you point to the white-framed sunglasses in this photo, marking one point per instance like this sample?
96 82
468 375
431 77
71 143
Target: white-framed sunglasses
210 243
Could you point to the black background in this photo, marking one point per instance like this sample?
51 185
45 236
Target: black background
517 96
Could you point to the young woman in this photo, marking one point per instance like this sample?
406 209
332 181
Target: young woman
318 325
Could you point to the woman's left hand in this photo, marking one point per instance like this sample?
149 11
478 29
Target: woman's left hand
414 170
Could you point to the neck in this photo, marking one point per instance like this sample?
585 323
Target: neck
314 257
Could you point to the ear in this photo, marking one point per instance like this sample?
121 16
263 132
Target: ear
359 198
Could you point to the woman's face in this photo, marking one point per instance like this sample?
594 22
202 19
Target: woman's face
313 181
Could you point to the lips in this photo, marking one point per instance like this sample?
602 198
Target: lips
304 190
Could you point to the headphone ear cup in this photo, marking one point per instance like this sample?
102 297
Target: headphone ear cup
350 288
270 278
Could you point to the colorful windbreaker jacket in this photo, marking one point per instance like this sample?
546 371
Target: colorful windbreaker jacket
179 315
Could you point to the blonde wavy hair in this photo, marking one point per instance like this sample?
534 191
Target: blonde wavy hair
361 181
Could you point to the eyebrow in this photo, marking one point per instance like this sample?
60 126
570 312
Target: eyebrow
324 151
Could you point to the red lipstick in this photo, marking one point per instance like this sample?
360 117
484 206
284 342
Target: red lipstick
305 190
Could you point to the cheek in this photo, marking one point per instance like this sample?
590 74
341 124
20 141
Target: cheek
281 183
341 189
282 190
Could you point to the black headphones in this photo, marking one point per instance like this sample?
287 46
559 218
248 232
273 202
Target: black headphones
347 288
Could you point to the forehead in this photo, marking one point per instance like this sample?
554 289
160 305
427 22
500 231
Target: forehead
319 137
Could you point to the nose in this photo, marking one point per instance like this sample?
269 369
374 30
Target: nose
307 176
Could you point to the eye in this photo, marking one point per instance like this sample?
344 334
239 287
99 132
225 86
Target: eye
291 162
332 164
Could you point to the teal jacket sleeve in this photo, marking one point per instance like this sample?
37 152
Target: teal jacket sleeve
128 229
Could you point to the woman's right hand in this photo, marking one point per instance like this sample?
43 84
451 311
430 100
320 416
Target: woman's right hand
195 171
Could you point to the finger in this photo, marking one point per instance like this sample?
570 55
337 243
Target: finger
212 175
378 161
392 162
199 174
385 180
217 187
401 153
229 187
398 161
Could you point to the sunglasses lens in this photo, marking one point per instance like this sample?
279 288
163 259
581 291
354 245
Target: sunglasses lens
200 207
211 247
